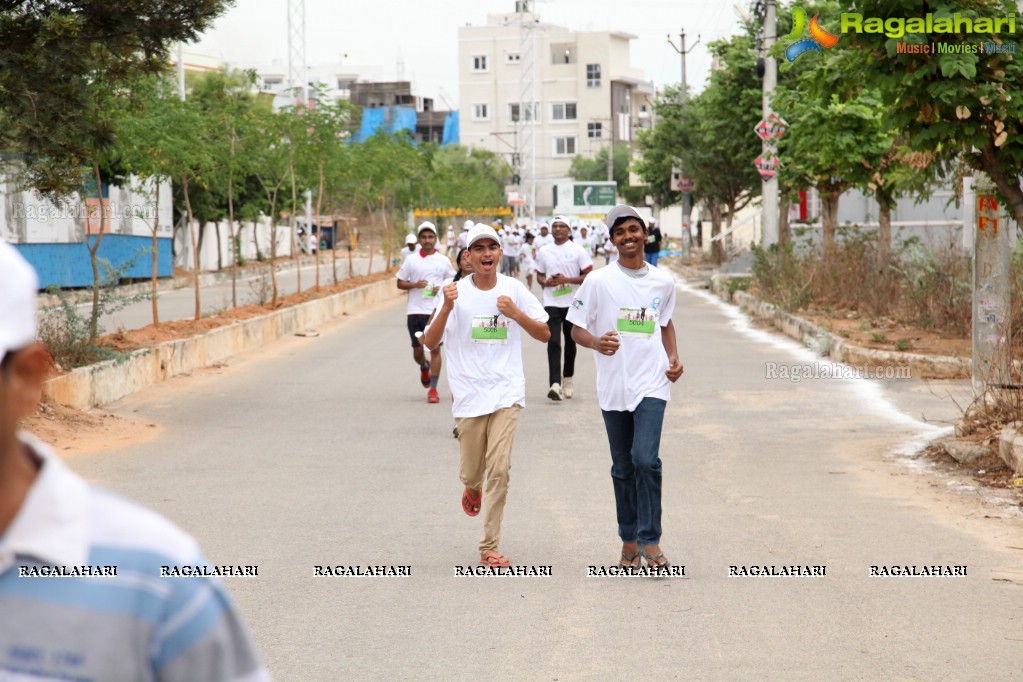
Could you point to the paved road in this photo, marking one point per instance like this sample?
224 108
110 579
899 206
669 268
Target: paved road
323 451
179 304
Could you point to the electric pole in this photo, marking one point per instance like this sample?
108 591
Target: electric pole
686 208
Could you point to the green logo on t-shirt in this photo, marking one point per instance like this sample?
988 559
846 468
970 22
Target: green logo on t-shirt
563 290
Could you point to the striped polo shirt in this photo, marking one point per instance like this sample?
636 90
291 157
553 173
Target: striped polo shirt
82 597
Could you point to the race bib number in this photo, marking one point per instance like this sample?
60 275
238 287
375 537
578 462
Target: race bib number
490 329
430 291
637 322
651 239
563 290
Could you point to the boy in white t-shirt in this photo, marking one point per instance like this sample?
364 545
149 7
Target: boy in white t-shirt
480 320
560 268
422 275
623 313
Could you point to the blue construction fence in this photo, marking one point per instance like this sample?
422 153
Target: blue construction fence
68 266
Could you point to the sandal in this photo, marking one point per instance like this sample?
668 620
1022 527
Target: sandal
627 561
494 560
471 505
656 562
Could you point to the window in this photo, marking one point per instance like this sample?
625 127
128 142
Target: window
593 75
479 62
594 130
515 114
563 111
480 112
512 58
564 146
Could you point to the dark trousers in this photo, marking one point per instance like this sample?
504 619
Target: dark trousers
559 324
635 440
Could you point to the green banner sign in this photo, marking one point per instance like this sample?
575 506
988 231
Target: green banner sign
595 195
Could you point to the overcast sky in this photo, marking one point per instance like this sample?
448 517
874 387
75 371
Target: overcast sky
424 34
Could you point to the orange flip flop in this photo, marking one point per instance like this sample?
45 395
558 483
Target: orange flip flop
471 505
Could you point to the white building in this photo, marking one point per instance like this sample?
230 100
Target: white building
583 91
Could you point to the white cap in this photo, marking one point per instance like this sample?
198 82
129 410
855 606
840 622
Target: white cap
560 219
410 238
482 231
426 225
467 225
19 287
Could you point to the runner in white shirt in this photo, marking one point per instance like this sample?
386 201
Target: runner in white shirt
527 261
610 252
544 238
466 226
585 239
481 321
422 275
623 312
560 269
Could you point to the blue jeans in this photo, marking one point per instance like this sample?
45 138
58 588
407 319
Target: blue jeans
651 257
635 440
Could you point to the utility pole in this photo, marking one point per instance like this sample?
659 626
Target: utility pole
686 208
992 312
769 233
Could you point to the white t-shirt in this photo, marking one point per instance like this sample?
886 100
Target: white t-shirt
567 259
483 349
434 268
586 241
612 252
540 240
610 300
510 244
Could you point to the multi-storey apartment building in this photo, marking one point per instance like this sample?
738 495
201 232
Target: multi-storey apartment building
540 94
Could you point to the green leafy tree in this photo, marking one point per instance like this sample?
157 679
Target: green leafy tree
57 55
955 106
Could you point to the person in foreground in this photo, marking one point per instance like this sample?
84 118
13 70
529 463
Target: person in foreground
480 321
623 313
81 592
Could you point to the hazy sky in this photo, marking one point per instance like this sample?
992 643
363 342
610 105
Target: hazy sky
424 33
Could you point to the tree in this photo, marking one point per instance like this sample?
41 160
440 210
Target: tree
464 177
953 105
54 55
595 169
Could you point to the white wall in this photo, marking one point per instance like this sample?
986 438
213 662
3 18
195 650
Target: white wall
208 249
28 218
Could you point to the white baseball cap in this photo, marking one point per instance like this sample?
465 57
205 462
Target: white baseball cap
19 288
410 238
467 225
560 219
621 212
426 225
482 231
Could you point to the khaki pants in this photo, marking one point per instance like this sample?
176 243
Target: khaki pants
486 444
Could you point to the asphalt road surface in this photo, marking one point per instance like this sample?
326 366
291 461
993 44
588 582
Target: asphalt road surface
323 452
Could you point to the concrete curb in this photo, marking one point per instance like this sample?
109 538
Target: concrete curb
105 382
1010 447
835 347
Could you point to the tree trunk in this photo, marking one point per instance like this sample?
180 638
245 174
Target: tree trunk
195 249
156 260
386 235
351 247
829 218
230 228
319 207
93 257
296 255
884 232
715 229
220 250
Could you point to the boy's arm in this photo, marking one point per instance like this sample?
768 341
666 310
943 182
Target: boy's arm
431 338
538 329
675 368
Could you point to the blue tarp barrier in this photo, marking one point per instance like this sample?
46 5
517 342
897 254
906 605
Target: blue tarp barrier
67 265
451 129
387 119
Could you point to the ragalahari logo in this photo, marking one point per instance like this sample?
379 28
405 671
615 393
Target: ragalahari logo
818 36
